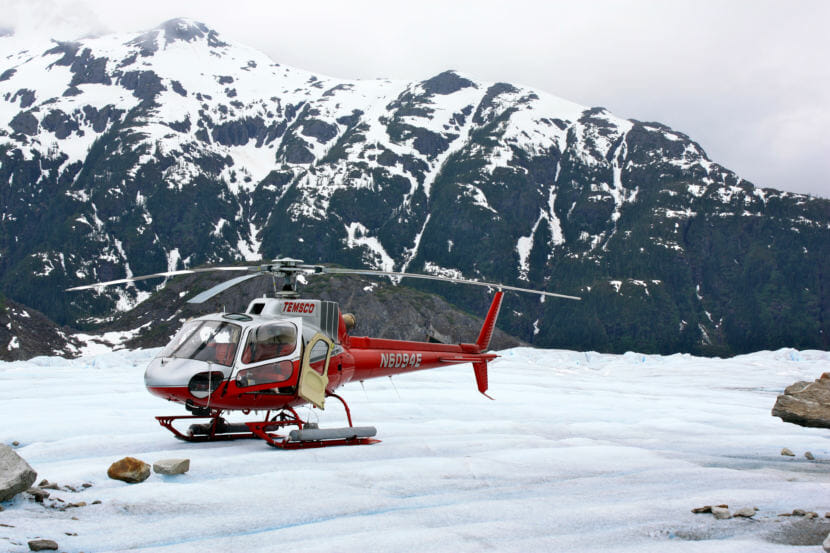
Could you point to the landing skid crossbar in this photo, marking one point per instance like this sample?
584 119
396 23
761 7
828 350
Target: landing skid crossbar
213 434
305 437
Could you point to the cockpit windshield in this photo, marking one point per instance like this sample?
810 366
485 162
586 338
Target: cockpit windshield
211 341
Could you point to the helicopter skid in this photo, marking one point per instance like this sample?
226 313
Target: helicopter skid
304 437
314 437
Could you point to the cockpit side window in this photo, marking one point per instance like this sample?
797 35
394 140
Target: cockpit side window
270 341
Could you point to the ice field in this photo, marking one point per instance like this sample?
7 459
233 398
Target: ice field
578 452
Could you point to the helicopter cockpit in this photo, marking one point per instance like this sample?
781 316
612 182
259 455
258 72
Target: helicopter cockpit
278 348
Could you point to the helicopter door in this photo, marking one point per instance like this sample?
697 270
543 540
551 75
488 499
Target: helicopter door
314 373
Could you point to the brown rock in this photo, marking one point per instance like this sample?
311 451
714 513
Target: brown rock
809 456
787 452
704 509
43 545
805 403
129 469
38 494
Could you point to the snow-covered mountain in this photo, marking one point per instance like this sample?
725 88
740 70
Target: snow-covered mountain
124 155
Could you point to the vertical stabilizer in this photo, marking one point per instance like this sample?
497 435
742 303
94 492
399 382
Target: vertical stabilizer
489 326
480 369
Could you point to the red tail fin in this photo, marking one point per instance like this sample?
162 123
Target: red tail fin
480 369
489 326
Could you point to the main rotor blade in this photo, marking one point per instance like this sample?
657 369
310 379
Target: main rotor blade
445 279
155 275
210 292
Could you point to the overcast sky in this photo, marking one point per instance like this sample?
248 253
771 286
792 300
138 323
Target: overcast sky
748 80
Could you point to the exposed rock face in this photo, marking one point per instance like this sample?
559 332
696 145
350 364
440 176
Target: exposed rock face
15 473
171 466
129 469
805 403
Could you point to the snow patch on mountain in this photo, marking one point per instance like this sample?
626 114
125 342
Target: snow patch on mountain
357 236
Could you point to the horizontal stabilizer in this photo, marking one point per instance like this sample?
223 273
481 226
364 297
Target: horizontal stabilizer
468 359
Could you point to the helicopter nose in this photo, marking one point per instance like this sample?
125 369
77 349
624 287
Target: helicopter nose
170 372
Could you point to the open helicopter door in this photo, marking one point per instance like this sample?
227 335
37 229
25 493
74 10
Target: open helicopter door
315 369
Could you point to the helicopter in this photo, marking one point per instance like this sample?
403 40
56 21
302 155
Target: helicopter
286 351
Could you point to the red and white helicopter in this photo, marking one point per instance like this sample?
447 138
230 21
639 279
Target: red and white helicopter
285 351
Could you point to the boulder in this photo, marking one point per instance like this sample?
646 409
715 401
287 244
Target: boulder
171 466
15 474
129 469
805 403
787 452
826 544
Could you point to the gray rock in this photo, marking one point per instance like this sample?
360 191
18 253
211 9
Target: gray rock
826 544
15 474
809 456
787 452
43 545
805 403
721 513
171 466
746 512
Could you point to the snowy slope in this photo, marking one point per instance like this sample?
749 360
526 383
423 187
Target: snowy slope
579 452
